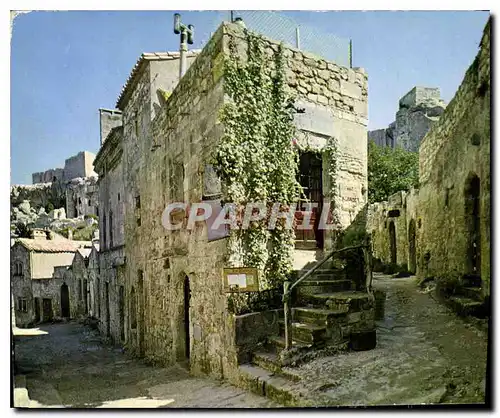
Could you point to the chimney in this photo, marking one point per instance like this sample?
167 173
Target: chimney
109 119
39 234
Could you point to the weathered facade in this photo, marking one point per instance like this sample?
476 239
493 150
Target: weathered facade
443 228
418 110
164 296
48 279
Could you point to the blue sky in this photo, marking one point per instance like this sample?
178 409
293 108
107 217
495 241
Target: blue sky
65 65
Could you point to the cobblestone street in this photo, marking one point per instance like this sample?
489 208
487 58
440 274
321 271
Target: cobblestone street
69 366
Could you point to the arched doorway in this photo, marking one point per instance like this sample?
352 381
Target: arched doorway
412 247
392 240
472 224
65 301
186 320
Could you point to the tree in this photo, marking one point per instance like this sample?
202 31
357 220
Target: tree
389 171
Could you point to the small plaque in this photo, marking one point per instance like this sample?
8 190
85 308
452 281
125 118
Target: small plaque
241 279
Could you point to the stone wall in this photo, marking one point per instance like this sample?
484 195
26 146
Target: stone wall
82 197
48 176
457 149
79 165
21 284
400 210
439 217
167 147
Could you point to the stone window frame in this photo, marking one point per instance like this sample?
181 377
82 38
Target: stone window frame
22 304
18 269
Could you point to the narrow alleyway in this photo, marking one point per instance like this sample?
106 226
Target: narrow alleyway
425 354
67 365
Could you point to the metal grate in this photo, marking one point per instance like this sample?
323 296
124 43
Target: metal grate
283 28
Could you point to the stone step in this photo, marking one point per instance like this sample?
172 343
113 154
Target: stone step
265 383
471 280
271 362
472 292
323 286
465 306
327 275
316 316
278 342
306 333
346 301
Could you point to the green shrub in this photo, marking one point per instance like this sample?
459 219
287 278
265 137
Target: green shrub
91 216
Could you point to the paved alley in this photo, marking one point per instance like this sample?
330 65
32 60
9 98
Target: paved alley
67 365
425 354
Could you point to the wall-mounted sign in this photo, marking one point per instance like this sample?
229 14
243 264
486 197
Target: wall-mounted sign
241 279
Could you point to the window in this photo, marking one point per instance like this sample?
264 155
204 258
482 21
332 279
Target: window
79 201
22 304
80 294
118 197
18 268
104 231
138 208
136 125
110 229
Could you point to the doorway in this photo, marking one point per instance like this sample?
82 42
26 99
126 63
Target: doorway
36 303
412 247
186 322
65 311
473 225
85 297
392 240
121 304
310 177
140 307
47 310
108 315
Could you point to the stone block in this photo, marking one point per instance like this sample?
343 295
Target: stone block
350 90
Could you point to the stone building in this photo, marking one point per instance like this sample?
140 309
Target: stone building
443 229
418 110
82 197
45 278
161 292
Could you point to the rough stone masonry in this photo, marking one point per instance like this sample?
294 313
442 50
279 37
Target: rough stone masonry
160 155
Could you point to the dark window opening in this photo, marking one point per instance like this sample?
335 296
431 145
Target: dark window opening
118 197
393 213
475 139
392 239
138 202
22 304
110 229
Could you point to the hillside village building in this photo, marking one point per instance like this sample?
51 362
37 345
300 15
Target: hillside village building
162 293
49 279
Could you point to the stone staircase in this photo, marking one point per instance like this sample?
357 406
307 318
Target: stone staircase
468 298
328 316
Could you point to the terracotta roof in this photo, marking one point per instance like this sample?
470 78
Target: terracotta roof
52 246
139 65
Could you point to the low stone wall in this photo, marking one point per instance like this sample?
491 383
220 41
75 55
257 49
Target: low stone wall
253 329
